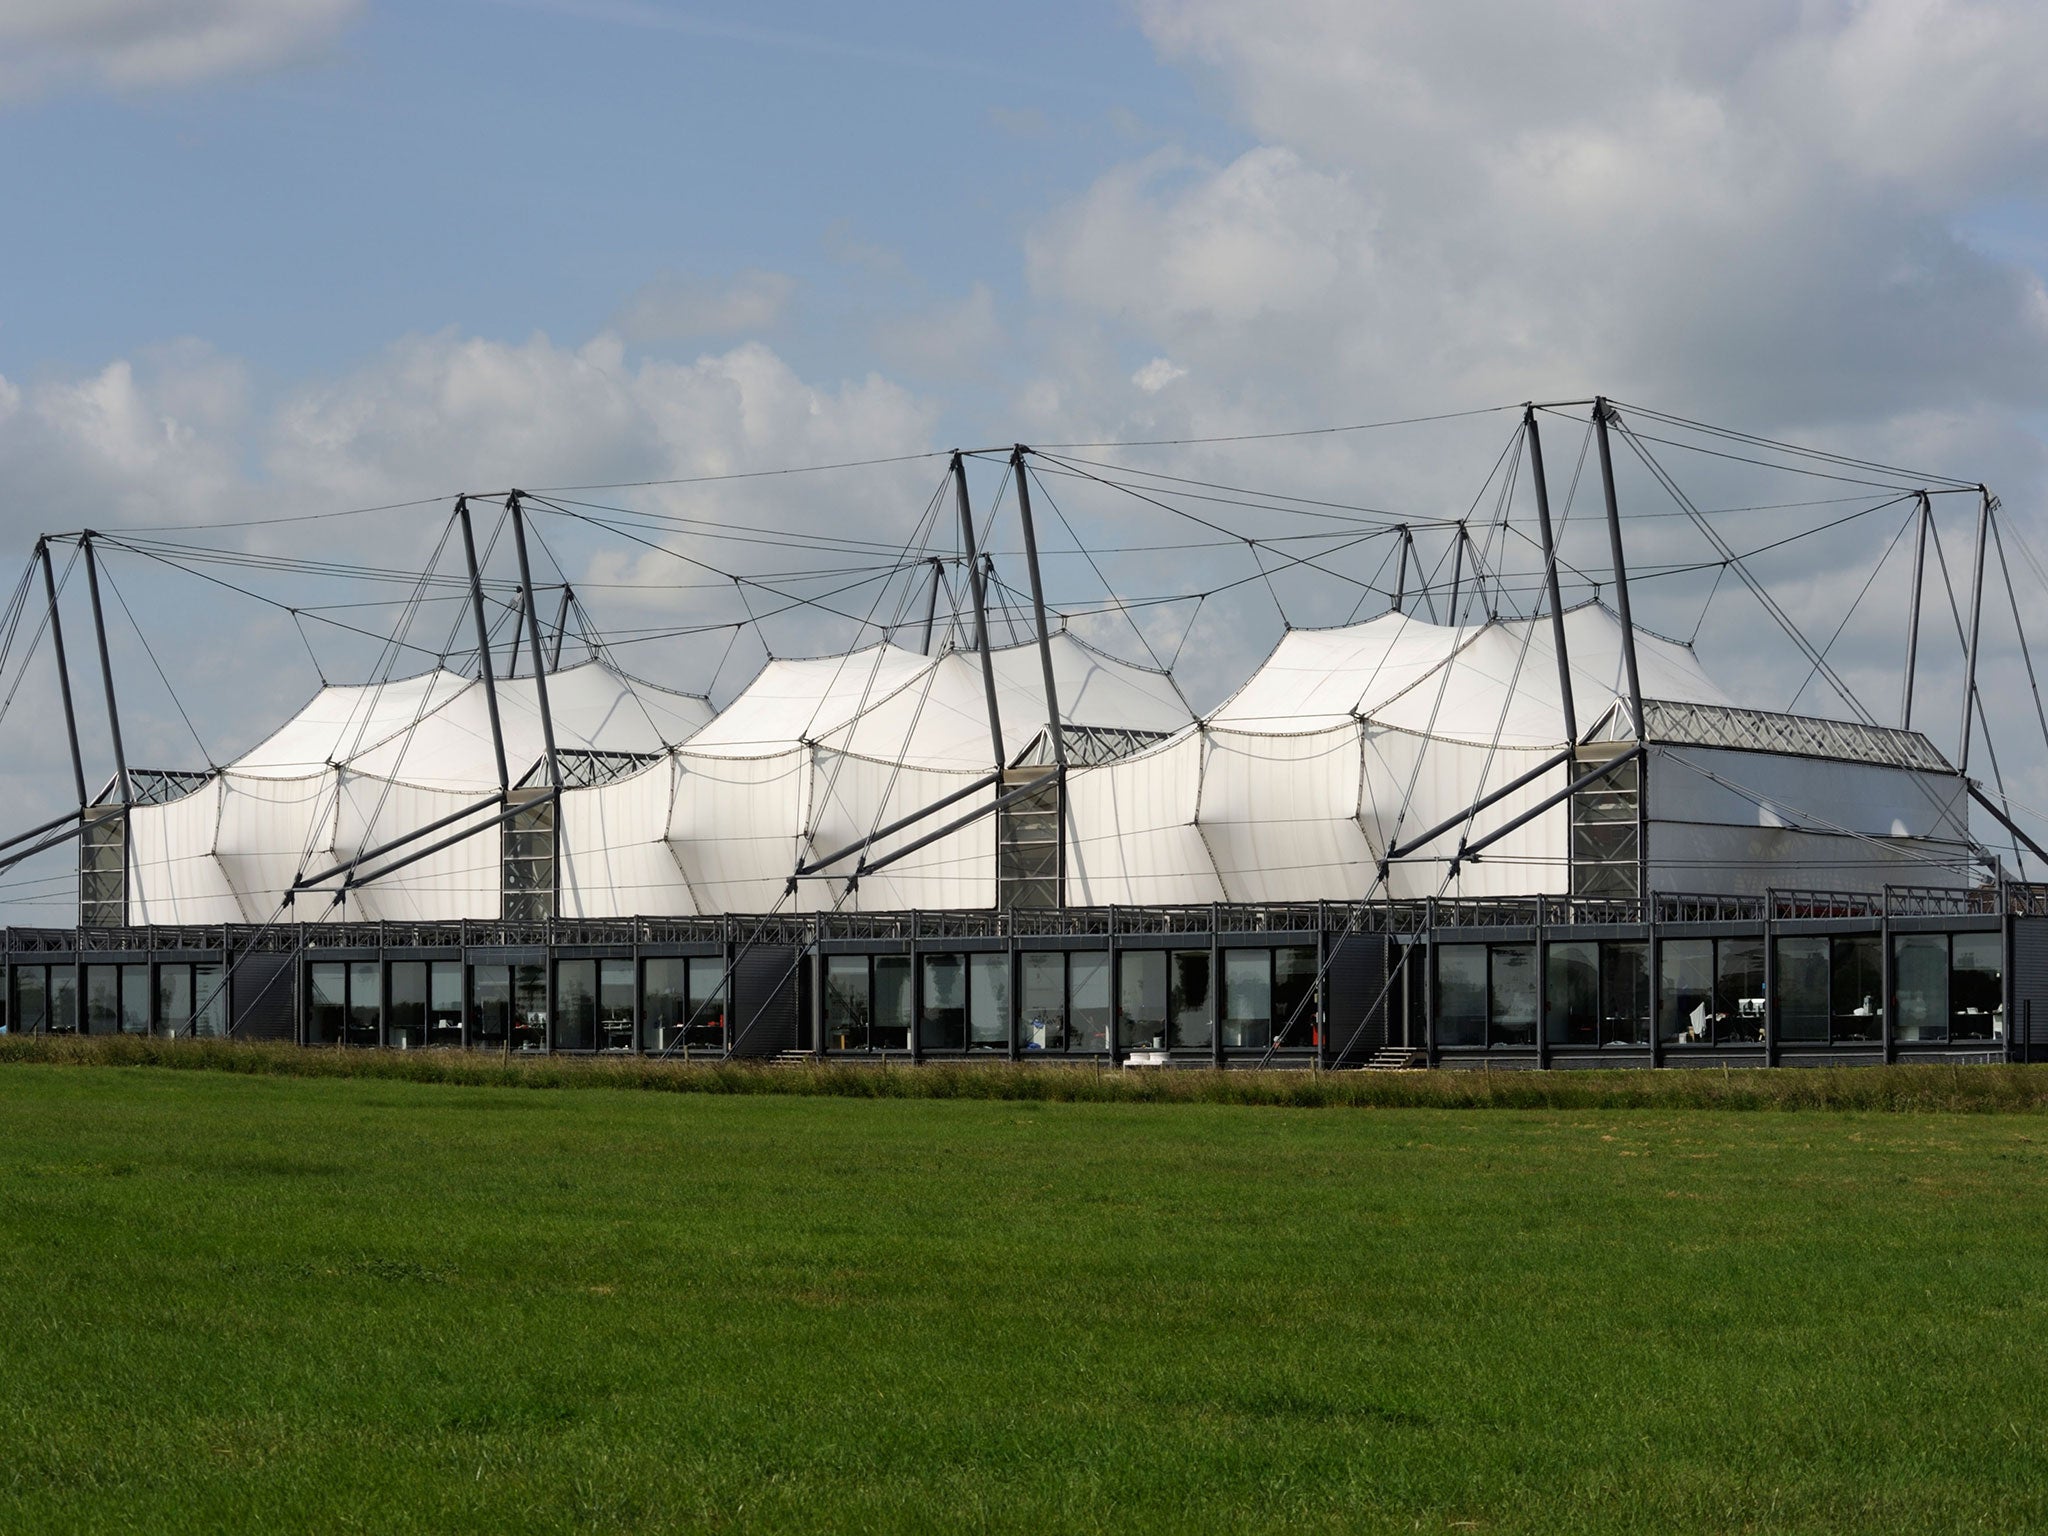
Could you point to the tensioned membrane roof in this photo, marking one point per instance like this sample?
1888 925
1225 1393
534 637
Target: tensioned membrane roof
896 705
434 730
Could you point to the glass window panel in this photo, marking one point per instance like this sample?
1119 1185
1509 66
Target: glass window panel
210 1000
1976 991
1194 1013
1856 993
529 1007
365 1005
1141 999
1042 1001
102 999
407 1028
1802 989
1685 991
490 1006
945 1003
63 993
575 1005
889 1029
31 999
327 1002
1461 994
1087 1001
1920 976
1624 994
1571 994
444 1003
1739 989
1247 999
664 1003
1294 1000
1512 991
988 1002
707 1002
615 1005
846 1002
134 999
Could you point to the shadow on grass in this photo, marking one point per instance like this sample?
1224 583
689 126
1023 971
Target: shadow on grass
1966 1089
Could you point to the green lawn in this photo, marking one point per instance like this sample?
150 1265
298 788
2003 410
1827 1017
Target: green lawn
240 1302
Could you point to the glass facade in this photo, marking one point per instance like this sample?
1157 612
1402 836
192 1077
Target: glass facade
1949 988
1596 993
1142 999
1193 1003
45 1000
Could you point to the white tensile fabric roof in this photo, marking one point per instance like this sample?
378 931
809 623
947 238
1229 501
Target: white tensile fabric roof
1344 742
1470 683
899 706
362 765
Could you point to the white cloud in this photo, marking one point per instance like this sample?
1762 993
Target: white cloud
139 44
678 307
1157 374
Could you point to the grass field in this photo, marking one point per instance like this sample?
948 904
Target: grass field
283 1303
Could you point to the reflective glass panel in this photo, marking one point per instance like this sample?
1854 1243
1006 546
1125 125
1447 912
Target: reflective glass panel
664 1002
707 1002
1685 991
1624 994
490 1006
575 1004
1461 994
365 1005
134 999
407 1028
1141 999
988 1002
173 999
1920 980
944 1026
846 1002
1087 1001
1856 994
1976 990
1739 989
1802 987
1194 1014
31 1000
210 999
890 1027
1247 999
327 1002
1294 996
1042 1001
1571 994
615 1005
529 1007
1512 991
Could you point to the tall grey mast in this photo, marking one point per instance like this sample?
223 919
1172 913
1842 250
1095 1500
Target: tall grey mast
1564 666
988 666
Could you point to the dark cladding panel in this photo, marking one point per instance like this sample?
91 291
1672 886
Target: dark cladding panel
1356 992
263 998
764 994
2030 987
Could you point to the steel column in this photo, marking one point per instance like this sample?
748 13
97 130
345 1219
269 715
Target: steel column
63 671
99 625
988 666
1601 412
1926 516
1052 696
483 642
561 627
1564 670
540 674
1976 616
931 607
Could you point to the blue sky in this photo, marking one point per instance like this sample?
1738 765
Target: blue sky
502 167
